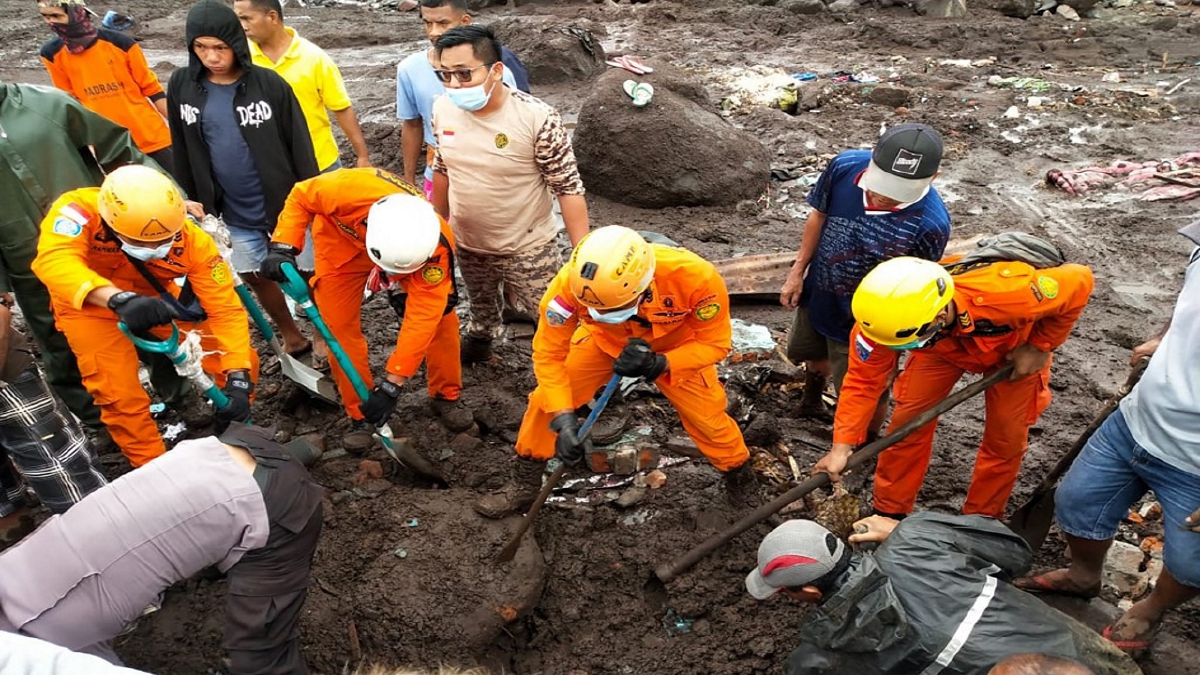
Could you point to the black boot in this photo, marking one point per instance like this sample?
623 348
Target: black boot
517 494
812 405
741 486
476 349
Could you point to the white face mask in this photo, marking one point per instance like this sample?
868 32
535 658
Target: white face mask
144 254
616 316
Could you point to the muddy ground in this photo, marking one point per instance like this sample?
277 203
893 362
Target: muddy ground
595 615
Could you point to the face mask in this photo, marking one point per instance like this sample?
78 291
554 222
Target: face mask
470 99
144 254
615 316
921 341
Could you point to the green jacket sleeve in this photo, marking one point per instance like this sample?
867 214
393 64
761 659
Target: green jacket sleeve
112 144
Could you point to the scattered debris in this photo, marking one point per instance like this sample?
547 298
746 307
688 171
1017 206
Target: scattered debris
677 624
751 342
631 497
1123 570
1147 177
655 479
1031 84
400 553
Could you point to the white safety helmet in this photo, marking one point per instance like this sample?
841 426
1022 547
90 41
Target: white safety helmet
402 233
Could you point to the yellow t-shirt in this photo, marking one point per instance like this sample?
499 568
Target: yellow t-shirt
318 86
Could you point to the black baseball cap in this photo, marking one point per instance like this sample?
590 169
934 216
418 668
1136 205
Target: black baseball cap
904 162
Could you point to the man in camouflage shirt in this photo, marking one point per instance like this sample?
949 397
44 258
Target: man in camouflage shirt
502 156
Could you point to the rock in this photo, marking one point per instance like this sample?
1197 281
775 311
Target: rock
368 469
372 488
843 6
1151 511
1021 9
1067 12
887 95
655 479
550 51
683 445
465 442
674 152
803 6
941 9
1122 569
1154 567
631 497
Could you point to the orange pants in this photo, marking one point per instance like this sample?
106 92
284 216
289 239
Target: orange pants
108 362
339 297
1012 407
699 400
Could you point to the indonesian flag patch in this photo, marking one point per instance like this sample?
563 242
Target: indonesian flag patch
863 347
559 310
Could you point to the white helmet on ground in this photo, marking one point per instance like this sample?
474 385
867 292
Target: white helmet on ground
402 233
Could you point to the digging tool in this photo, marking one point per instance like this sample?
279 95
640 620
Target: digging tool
402 452
669 571
313 381
1032 520
510 549
187 363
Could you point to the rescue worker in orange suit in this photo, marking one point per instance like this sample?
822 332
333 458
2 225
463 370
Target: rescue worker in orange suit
974 320
414 248
622 305
112 254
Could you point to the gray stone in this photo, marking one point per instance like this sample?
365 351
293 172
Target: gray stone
887 95
549 52
631 497
843 6
676 151
1123 569
941 9
803 6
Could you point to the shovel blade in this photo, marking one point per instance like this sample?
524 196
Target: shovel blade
313 381
1032 520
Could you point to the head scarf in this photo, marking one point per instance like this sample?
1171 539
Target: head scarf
77 33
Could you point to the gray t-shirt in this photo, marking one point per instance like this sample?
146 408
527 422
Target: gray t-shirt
85 574
1163 410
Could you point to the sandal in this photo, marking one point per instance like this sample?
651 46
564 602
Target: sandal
1038 584
635 64
1134 648
640 92
302 352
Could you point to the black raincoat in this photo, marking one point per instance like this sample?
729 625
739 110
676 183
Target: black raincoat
936 599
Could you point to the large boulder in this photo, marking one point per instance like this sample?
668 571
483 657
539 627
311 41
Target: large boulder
553 50
674 152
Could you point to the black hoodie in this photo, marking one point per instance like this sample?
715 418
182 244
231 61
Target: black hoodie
270 118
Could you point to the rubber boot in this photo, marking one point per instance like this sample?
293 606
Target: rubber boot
516 495
455 415
741 486
475 349
812 405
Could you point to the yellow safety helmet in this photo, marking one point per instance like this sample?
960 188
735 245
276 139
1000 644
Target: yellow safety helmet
897 302
142 204
611 267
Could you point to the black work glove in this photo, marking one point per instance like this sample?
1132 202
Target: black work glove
638 360
238 388
139 312
380 405
277 255
569 448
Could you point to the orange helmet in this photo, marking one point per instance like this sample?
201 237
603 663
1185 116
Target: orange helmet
142 204
611 267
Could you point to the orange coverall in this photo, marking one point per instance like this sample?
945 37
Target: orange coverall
336 204
685 318
76 255
1000 307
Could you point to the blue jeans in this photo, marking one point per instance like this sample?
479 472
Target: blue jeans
250 249
1112 473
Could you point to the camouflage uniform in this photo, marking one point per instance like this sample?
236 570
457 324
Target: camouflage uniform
524 276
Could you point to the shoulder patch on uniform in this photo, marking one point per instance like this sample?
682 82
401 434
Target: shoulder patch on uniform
708 312
67 227
501 141
1049 287
220 273
75 213
558 310
432 274
863 347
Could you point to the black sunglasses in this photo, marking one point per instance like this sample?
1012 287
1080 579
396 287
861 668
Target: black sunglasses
464 75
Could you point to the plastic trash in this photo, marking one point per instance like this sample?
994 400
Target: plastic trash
1031 84
400 553
412 522
804 77
751 342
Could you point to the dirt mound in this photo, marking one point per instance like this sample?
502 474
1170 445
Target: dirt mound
673 152
554 50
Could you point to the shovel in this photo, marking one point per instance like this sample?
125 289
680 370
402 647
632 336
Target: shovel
185 362
313 381
1032 520
668 571
402 452
510 549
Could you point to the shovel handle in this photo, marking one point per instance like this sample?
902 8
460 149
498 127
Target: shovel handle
510 549
178 356
669 571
